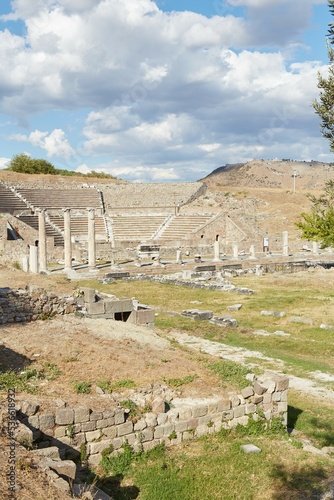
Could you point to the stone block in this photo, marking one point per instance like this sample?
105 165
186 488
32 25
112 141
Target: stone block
64 416
93 435
46 421
259 388
50 452
282 382
267 398
117 443
239 411
184 413
88 426
269 384
197 314
95 308
105 422
99 446
250 408
199 410
223 405
124 429
95 415
235 401
192 423
151 419
282 406
149 445
118 306
242 420
89 295
158 406
140 425
256 399
159 432
29 409
201 430
250 448
181 426
146 435
81 414
119 417
204 420
227 415
109 432
34 421
247 392
173 415
62 467
79 439
60 432
224 321
276 396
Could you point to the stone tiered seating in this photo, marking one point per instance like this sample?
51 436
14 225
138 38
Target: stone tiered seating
62 198
32 221
182 226
150 196
136 227
10 203
79 226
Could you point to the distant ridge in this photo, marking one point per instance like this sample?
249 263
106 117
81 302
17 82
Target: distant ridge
273 174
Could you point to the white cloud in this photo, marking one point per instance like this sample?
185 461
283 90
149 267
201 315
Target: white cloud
55 143
4 162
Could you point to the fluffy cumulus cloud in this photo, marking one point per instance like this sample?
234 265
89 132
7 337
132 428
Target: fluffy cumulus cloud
166 95
55 144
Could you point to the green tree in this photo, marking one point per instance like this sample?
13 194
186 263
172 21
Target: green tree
26 165
324 107
318 225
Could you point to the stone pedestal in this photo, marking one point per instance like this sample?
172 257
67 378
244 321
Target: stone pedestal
42 241
252 253
235 251
67 240
91 239
216 251
33 259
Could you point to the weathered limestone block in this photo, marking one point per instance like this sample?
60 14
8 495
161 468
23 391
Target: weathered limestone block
223 405
46 421
267 398
185 413
88 426
239 411
109 432
199 411
64 416
93 435
124 429
50 452
98 447
247 392
119 417
180 426
95 415
146 434
62 467
81 414
250 408
259 388
151 419
140 424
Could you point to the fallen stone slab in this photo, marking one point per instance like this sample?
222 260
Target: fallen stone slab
234 307
88 492
62 467
197 314
250 448
327 327
224 321
300 319
277 314
50 452
280 333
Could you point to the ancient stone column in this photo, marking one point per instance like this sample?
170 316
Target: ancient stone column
216 251
235 250
91 238
315 247
33 259
285 243
178 257
42 241
67 239
252 252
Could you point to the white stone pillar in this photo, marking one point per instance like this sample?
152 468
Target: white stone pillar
178 256
315 247
235 251
285 243
91 238
216 251
67 239
33 259
252 252
42 241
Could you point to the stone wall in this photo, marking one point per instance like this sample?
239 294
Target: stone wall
71 428
32 303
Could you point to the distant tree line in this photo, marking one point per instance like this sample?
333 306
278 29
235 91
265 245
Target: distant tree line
24 164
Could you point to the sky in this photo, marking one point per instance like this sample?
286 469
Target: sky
161 91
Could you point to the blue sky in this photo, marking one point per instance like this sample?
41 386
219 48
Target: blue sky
159 91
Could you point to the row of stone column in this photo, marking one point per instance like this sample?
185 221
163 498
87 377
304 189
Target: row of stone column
42 250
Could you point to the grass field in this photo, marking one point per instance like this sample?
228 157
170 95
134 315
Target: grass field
215 467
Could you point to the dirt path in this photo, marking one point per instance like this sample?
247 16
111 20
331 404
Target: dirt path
240 355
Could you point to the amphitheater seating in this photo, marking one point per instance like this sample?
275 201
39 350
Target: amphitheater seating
79 226
182 226
139 196
136 227
62 198
10 203
32 221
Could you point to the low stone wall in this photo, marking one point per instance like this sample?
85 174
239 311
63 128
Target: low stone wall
32 303
73 428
